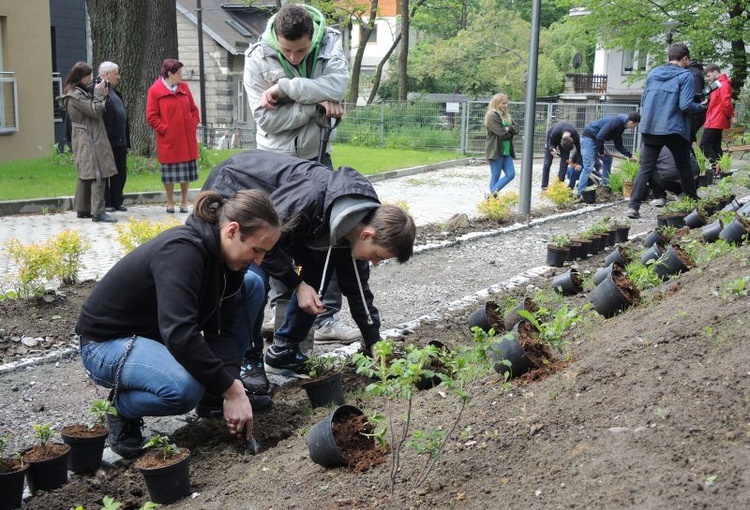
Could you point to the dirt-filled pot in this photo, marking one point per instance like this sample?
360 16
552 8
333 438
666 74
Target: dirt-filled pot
321 440
509 348
325 391
589 196
622 234
652 253
654 237
86 446
486 317
614 294
12 473
512 317
167 480
711 231
736 231
676 220
48 467
556 255
604 272
695 219
619 254
568 283
675 260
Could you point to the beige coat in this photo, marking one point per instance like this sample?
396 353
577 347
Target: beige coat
91 148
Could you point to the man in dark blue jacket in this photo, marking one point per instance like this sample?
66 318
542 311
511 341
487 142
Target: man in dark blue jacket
335 222
668 102
605 129
562 138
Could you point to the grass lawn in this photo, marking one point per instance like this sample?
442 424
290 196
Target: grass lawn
55 176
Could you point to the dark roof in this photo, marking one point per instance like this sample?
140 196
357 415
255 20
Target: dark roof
234 26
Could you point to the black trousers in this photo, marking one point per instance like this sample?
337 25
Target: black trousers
561 171
711 144
113 195
652 145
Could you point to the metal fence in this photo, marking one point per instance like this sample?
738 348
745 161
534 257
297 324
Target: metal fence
426 125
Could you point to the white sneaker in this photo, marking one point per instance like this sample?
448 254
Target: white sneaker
659 202
269 325
336 332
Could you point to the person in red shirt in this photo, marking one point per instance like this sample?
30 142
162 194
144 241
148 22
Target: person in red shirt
719 116
172 114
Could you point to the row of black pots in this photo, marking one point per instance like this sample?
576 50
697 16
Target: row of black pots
579 248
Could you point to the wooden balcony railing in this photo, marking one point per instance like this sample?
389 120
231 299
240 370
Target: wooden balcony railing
586 83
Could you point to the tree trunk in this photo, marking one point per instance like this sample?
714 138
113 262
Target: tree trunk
137 35
365 30
379 70
403 56
738 54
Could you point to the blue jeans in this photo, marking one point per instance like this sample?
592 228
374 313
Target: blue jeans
588 151
248 318
152 381
502 164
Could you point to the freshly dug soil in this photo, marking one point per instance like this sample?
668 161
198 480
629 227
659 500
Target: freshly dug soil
648 409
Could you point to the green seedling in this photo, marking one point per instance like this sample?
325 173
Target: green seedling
163 445
43 433
100 409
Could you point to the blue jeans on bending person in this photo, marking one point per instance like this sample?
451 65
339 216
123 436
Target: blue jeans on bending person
248 319
589 154
504 164
152 381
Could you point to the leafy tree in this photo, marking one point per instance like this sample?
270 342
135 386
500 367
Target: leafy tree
564 39
138 35
714 30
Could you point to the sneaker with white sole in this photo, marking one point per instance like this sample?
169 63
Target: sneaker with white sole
659 202
336 332
288 362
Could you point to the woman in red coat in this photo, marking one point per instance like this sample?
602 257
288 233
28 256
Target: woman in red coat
172 114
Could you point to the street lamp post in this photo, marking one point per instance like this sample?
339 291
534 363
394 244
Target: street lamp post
201 71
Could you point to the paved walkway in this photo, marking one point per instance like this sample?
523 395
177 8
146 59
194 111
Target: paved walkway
431 196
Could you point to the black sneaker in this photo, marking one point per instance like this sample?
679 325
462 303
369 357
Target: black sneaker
212 406
253 376
125 436
286 361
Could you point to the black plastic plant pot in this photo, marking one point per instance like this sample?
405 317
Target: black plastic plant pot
622 234
556 255
731 206
573 249
568 283
85 452
486 318
168 484
11 486
589 196
661 220
325 391
322 444
711 231
736 231
611 237
585 249
511 317
604 272
654 237
618 255
509 348
49 474
674 261
596 244
745 209
695 219
426 383
613 295
676 220
652 253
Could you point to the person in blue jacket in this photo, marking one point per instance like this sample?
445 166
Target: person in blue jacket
610 127
667 104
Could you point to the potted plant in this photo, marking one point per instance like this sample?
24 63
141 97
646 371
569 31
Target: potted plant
166 469
557 250
675 212
12 472
706 177
589 194
629 170
560 194
48 461
86 440
724 165
324 387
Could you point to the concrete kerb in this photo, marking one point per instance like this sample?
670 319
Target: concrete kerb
59 204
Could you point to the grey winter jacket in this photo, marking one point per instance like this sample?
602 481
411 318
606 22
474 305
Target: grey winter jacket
290 128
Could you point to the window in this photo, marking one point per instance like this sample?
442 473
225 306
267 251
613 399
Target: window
373 35
8 99
633 61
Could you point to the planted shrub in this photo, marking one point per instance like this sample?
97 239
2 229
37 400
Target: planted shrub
560 194
497 206
136 232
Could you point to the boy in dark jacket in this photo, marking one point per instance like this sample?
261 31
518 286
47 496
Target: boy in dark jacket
335 222
562 138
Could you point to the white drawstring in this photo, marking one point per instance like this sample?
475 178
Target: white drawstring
362 292
325 270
